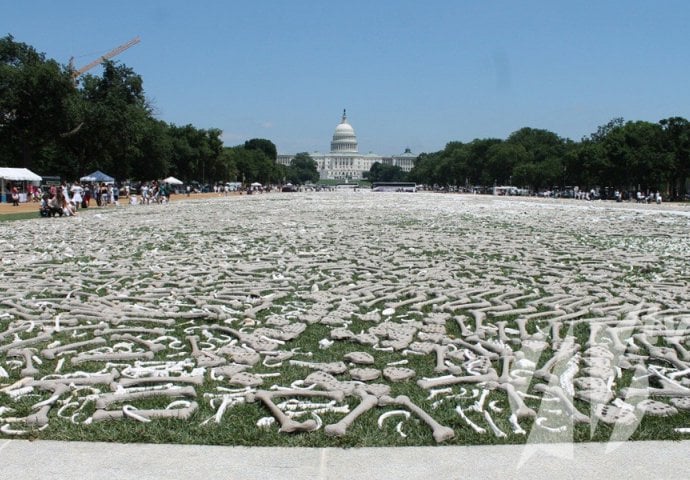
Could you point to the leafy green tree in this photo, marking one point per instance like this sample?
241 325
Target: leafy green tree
156 151
302 169
604 130
676 140
254 166
266 146
381 172
114 117
587 165
422 171
501 159
34 98
542 164
477 158
228 167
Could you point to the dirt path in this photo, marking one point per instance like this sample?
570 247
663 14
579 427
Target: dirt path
8 208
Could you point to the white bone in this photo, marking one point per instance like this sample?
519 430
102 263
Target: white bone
176 413
384 416
438 391
516 425
491 376
265 422
111 357
517 404
59 390
540 423
128 382
44 337
398 428
479 404
556 391
154 347
339 428
440 432
497 431
51 353
130 411
469 422
287 424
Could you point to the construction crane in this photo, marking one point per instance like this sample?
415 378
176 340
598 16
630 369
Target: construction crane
101 59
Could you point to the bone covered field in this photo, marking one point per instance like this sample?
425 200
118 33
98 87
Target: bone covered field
348 319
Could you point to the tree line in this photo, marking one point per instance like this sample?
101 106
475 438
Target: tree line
56 126
624 156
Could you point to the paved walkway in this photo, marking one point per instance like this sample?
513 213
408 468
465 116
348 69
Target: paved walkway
24 460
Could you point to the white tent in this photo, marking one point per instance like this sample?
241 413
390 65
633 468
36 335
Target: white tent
19 175
172 181
8 174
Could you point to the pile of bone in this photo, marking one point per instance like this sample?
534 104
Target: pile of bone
205 311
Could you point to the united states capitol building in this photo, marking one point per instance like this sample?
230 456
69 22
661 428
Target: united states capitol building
344 162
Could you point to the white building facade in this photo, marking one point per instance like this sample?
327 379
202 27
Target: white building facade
344 162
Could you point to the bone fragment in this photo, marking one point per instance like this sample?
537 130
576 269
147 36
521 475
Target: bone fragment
544 373
428 383
555 335
129 382
460 320
477 348
469 422
96 379
440 351
440 432
40 418
203 358
112 357
175 413
130 330
494 428
154 347
339 428
29 370
104 401
556 391
517 429
50 353
287 424
678 345
43 337
517 404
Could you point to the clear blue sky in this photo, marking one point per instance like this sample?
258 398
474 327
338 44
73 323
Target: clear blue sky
410 73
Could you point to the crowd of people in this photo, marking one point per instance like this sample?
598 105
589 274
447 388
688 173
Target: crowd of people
151 192
67 199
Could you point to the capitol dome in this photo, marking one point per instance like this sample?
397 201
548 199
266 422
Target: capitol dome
344 138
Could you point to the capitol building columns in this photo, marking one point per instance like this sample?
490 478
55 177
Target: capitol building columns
344 162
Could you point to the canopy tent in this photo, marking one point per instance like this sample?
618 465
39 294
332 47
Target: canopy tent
172 181
19 175
8 174
97 176
256 184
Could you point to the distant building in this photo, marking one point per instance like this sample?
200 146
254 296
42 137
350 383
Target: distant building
344 162
404 160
